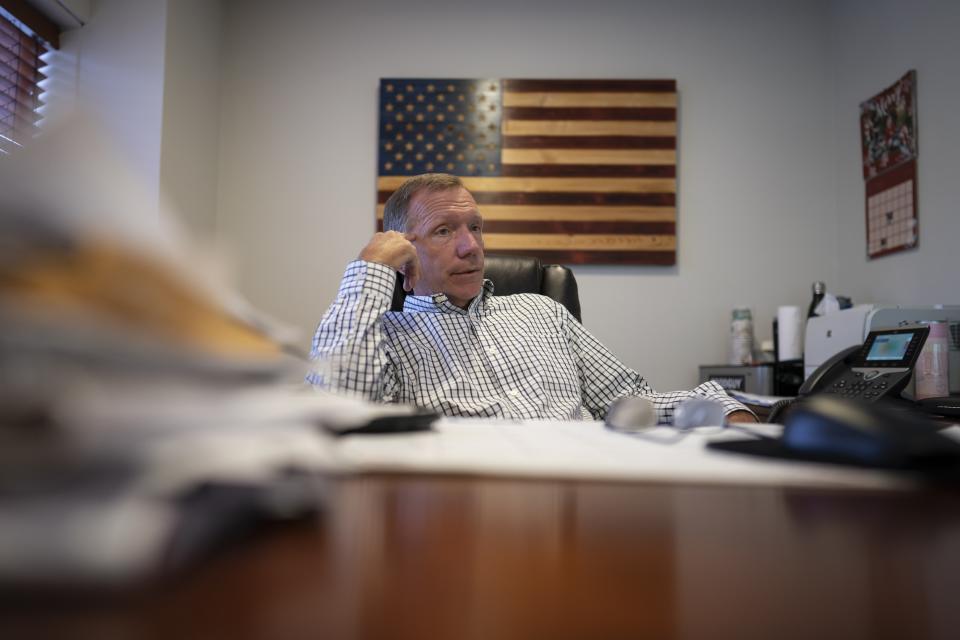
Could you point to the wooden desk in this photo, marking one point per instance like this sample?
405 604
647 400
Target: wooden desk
420 557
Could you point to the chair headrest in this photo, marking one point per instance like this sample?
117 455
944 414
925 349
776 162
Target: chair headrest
513 274
520 274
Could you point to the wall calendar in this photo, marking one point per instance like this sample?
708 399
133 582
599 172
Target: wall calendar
888 130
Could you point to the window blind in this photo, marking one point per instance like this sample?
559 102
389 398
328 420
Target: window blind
21 74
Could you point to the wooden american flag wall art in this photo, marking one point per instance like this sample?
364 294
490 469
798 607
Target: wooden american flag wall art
571 171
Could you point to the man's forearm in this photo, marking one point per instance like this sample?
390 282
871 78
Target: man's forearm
741 416
347 347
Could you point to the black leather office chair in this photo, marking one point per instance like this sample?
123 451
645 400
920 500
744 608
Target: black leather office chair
521 274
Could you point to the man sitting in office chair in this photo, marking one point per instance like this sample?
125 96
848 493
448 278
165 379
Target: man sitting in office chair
455 348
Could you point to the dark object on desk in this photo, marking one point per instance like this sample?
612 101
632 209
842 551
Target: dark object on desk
520 274
948 406
881 434
419 421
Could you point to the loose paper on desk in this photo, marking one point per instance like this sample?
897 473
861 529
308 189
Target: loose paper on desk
144 405
789 332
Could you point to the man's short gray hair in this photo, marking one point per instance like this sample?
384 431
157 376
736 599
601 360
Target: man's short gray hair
398 204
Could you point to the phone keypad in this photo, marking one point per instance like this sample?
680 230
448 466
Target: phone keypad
865 387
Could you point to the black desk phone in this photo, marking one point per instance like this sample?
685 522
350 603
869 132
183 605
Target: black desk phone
879 368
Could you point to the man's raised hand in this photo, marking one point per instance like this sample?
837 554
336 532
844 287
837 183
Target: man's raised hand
395 250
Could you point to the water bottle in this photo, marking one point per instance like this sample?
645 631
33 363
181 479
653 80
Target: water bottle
819 289
932 365
741 337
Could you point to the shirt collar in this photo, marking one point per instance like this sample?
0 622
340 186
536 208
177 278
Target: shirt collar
439 303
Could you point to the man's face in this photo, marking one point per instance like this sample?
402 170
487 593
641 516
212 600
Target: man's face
449 242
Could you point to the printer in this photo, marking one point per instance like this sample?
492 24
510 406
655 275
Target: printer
834 332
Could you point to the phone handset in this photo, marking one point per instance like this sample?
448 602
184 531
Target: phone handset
827 371
821 376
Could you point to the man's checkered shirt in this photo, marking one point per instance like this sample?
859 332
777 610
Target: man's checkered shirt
520 356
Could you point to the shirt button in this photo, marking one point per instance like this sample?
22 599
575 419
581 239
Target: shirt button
491 351
513 392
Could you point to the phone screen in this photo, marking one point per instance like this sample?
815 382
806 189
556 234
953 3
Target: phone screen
889 347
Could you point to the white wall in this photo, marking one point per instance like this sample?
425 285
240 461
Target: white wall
874 42
189 151
149 72
756 219
118 62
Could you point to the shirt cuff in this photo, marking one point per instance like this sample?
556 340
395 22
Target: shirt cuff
371 278
712 389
